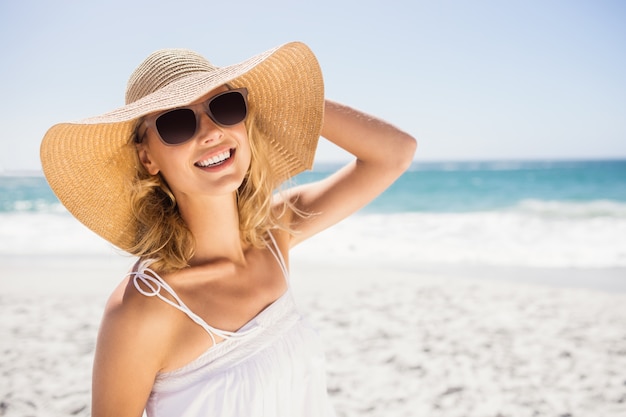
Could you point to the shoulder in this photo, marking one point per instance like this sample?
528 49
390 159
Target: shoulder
285 209
129 352
133 322
127 305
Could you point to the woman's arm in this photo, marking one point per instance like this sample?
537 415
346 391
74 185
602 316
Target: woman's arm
382 153
126 361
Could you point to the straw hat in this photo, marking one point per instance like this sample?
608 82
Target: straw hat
90 166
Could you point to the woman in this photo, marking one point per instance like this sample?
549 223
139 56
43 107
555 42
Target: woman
183 177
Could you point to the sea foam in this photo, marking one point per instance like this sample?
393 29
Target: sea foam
533 233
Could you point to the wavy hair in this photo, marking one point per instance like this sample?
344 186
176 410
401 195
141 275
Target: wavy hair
162 234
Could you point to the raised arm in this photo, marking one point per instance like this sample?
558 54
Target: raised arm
382 154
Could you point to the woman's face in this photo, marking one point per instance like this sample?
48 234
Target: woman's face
214 162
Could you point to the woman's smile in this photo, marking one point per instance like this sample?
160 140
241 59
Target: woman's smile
217 161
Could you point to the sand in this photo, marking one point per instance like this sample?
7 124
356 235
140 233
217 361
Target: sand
401 340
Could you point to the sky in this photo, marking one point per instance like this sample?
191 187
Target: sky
471 80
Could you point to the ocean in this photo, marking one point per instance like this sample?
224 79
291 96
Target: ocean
548 214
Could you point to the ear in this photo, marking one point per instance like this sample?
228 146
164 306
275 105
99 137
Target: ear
144 157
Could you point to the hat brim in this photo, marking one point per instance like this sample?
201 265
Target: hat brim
90 165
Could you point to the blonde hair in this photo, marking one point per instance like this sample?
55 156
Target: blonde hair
162 234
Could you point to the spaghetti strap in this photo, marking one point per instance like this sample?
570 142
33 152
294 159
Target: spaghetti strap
143 277
150 284
279 256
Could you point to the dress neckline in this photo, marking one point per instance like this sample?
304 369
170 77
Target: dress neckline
151 284
246 331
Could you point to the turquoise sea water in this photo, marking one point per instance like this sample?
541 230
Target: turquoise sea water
529 213
479 186
428 187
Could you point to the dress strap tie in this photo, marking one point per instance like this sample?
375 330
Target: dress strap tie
150 284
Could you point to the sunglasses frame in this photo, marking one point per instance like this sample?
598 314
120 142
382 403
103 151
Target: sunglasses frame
198 109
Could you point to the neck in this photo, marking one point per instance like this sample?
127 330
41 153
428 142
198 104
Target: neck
214 224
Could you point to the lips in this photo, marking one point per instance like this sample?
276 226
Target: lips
216 159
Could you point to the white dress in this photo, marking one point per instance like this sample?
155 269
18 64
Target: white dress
273 366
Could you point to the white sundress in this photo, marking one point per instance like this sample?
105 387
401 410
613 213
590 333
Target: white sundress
272 367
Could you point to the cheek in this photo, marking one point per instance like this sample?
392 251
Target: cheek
247 156
164 160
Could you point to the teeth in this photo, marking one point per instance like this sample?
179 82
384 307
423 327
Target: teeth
214 160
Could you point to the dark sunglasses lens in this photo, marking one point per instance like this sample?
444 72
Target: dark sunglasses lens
176 126
228 109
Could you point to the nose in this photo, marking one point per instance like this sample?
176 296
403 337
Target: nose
208 130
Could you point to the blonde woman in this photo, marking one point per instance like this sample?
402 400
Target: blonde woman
184 177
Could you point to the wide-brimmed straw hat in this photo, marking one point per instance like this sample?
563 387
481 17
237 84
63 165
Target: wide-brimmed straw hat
90 165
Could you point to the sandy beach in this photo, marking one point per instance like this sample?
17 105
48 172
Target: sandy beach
400 341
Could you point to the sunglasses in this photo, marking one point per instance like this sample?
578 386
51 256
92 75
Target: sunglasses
177 126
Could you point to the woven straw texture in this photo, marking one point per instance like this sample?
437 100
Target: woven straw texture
89 164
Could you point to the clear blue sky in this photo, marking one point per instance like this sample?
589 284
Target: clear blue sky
470 79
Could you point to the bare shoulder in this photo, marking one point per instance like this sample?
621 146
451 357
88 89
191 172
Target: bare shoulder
129 352
134 318
136 327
